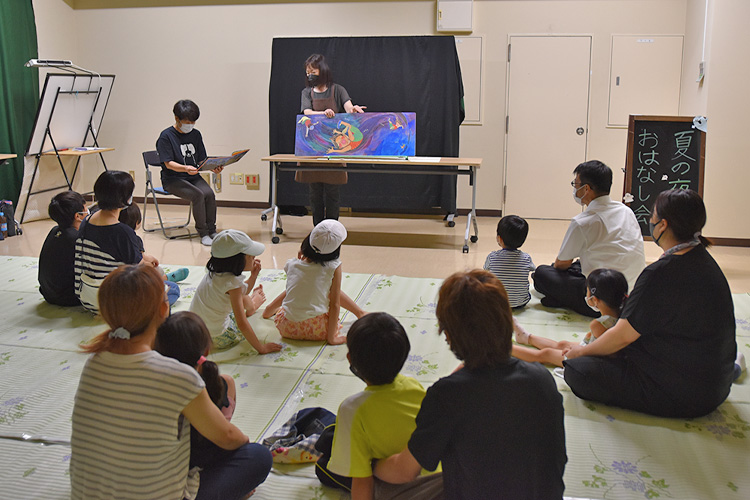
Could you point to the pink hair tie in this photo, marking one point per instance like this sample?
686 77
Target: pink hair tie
201 360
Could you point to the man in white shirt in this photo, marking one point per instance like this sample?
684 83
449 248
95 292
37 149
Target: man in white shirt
605 235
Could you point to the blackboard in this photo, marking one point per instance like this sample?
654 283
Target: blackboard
664 152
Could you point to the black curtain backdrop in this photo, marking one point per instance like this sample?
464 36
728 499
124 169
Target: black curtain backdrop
419 74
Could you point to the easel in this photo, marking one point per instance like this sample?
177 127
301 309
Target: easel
67 145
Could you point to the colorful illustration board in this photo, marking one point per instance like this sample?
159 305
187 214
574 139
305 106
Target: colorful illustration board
355 134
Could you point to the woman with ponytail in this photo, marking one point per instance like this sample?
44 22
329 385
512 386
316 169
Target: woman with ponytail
134 409
673 350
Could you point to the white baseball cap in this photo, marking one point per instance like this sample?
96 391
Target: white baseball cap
231 242
327 236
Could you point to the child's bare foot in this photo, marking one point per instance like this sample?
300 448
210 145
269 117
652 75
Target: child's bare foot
522 336
257 298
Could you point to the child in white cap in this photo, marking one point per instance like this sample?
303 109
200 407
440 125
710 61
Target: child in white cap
223 300
309 308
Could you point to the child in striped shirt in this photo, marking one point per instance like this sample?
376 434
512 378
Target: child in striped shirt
509 264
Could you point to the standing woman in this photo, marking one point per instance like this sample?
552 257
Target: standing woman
323 97
134 408
672 351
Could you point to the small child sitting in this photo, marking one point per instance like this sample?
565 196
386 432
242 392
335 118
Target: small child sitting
184 337
509 264
378 421
309 307
224 298
56 269
131 216
606 291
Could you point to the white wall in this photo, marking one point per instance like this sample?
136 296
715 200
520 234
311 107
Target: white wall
728 108
219 56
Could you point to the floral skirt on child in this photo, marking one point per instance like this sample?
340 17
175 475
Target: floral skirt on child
315 328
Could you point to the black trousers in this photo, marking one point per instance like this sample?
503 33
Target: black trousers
617 380
201 195
324 201
563 288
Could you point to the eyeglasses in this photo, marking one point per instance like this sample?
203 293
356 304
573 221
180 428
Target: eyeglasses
573 183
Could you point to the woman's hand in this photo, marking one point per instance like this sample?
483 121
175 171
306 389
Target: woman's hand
572 352
329 113
358 109
191 170
217 170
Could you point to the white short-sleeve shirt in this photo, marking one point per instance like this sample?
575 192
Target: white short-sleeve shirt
605 235
211 301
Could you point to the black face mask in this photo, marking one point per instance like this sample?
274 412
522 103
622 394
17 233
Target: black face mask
313 79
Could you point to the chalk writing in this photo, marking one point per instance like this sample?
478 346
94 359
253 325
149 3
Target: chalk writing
663 153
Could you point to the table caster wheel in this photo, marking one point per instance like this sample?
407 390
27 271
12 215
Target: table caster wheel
263 217
474 239
451 223
275 240
279 231
466 249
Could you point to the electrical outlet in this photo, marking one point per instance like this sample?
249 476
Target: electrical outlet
235 178
252 181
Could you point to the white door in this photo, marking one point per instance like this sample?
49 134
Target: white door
547 124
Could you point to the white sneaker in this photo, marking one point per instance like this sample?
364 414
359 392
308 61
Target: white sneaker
206 240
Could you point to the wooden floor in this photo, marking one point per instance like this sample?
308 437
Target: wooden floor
413 247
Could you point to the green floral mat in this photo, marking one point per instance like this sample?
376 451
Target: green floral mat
612 453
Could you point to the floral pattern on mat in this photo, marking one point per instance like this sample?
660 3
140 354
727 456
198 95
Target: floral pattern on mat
722 424
627 475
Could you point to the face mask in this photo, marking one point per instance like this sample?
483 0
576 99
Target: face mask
186 127
590 303
129 202
575 195
651 226
313 79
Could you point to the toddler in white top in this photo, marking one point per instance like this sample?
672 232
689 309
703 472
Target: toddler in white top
223 300
309 307
606 292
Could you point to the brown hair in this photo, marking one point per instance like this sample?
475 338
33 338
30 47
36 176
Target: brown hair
474 313
129 297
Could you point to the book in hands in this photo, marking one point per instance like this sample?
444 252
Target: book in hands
213 162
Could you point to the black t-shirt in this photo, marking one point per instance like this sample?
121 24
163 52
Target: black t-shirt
682 307
56 272
498 432
185 149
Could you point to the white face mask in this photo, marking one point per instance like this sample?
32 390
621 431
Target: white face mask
575 195
186 127
590 303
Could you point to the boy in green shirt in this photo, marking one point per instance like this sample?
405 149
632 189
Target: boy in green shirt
378 421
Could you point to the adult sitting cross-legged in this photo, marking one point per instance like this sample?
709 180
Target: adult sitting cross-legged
605 235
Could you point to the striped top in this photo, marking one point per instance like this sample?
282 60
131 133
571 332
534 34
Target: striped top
100 250
129 439
512 267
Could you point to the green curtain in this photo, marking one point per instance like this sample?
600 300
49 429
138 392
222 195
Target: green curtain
19 90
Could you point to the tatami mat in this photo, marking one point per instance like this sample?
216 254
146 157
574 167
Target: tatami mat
612 453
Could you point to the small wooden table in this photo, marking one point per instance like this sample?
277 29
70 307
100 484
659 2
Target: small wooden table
426 165
6 156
